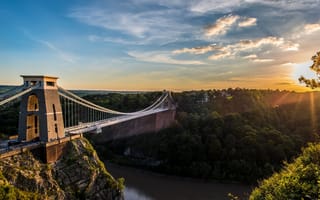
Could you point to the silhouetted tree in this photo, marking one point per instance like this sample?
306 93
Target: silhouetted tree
313 83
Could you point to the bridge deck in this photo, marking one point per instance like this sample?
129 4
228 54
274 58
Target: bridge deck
23 147
87 127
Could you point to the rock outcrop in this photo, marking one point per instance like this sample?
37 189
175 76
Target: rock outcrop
78 174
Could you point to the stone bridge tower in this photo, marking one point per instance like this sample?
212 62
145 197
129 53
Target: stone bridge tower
40 116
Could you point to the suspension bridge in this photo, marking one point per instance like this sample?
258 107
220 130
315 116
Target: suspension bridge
50 116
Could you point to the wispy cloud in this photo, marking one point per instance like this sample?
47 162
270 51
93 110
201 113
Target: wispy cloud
251 56
221 6
263 60
287 4
242 46
252 44
305 30
311 28
62 54
290 64
254 58
147 25
65 56
247 45
197 50
248 22
220 55
225 24
221 26
95 38
161 57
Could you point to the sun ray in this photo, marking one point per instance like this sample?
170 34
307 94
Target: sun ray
313 115
281 100
298 103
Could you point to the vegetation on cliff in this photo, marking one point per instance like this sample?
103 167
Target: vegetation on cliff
9 192
298 180
78 174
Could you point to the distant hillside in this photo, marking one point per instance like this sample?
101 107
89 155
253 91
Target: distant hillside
233 134
5 88
241 100
82 93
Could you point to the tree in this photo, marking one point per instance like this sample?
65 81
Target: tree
313 83
298 180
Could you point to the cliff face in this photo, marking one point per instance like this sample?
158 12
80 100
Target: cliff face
78 174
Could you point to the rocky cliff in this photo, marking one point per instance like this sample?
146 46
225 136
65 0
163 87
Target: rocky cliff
78 174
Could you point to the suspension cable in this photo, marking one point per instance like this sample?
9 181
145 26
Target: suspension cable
106 109
17 95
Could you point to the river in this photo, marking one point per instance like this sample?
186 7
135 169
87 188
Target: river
145 185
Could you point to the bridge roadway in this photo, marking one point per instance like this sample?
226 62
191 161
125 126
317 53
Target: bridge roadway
94 126
72 133
28 146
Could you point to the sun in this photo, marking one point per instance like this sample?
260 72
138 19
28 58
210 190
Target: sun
302 69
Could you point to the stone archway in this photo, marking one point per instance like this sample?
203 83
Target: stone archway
33 103
32 118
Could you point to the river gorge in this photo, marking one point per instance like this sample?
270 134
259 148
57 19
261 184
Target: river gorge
146 185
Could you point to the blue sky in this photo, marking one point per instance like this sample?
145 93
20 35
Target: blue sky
160 44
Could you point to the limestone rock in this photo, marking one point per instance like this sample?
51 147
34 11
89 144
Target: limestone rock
78 174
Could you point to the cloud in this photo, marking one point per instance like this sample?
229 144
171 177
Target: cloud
287 4
290 64
162 25
252 56
248 22
242 46
263 60
197 50
305 30
65 56
248 45
275 41
220 55
221 6
161 57
221 26
224 24
311 28
95 38
201 7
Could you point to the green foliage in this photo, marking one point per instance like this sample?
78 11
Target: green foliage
9 116
124 102
244 138
298 180
9 192
115 184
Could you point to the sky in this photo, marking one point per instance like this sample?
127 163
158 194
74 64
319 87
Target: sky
160 44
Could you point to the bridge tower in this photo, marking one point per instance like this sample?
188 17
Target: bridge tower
40 114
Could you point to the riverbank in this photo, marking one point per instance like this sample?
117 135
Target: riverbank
146 185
